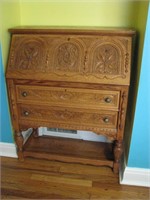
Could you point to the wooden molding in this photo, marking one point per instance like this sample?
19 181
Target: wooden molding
8 150
136 176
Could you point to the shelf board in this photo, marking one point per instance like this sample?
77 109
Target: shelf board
69 150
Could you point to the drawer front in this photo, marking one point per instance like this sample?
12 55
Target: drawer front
91 118
84 98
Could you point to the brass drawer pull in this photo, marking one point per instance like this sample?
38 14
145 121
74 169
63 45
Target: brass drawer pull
108 100
24 94
26 113
106 119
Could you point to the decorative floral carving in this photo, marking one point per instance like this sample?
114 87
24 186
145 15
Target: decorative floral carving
108 132
63 96
89 58
67 115
29 54
66 57
106 60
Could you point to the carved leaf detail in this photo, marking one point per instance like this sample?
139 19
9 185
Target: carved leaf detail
86 58
30 54
66 57
106 60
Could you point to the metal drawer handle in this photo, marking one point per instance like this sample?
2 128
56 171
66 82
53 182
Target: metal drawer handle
24 94
26 113
108 99
106 119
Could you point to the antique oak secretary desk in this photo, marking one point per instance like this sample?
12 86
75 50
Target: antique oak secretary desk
71 78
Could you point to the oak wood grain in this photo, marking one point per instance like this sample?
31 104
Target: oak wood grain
69 150
59 96
73 29
42 179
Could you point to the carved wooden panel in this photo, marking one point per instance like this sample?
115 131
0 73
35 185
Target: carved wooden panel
67 57
107 61
72 57
86 98
68 115
27 53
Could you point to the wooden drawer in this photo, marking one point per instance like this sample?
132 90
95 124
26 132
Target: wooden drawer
84 98
66 115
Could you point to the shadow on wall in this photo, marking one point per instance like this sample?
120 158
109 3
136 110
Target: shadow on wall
140 25
132 95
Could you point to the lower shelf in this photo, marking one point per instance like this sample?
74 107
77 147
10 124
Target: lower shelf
69 150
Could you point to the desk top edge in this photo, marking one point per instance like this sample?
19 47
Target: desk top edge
72 30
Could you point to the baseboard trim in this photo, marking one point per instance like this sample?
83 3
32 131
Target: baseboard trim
8 150
136 177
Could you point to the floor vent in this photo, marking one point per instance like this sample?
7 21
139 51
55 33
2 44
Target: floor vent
62 130
75 134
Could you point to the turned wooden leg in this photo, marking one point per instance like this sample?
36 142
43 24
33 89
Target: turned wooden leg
118 149
19 143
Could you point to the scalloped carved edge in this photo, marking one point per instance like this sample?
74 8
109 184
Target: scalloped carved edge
109 133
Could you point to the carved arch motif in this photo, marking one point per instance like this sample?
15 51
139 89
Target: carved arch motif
107 60
68 57
30 53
